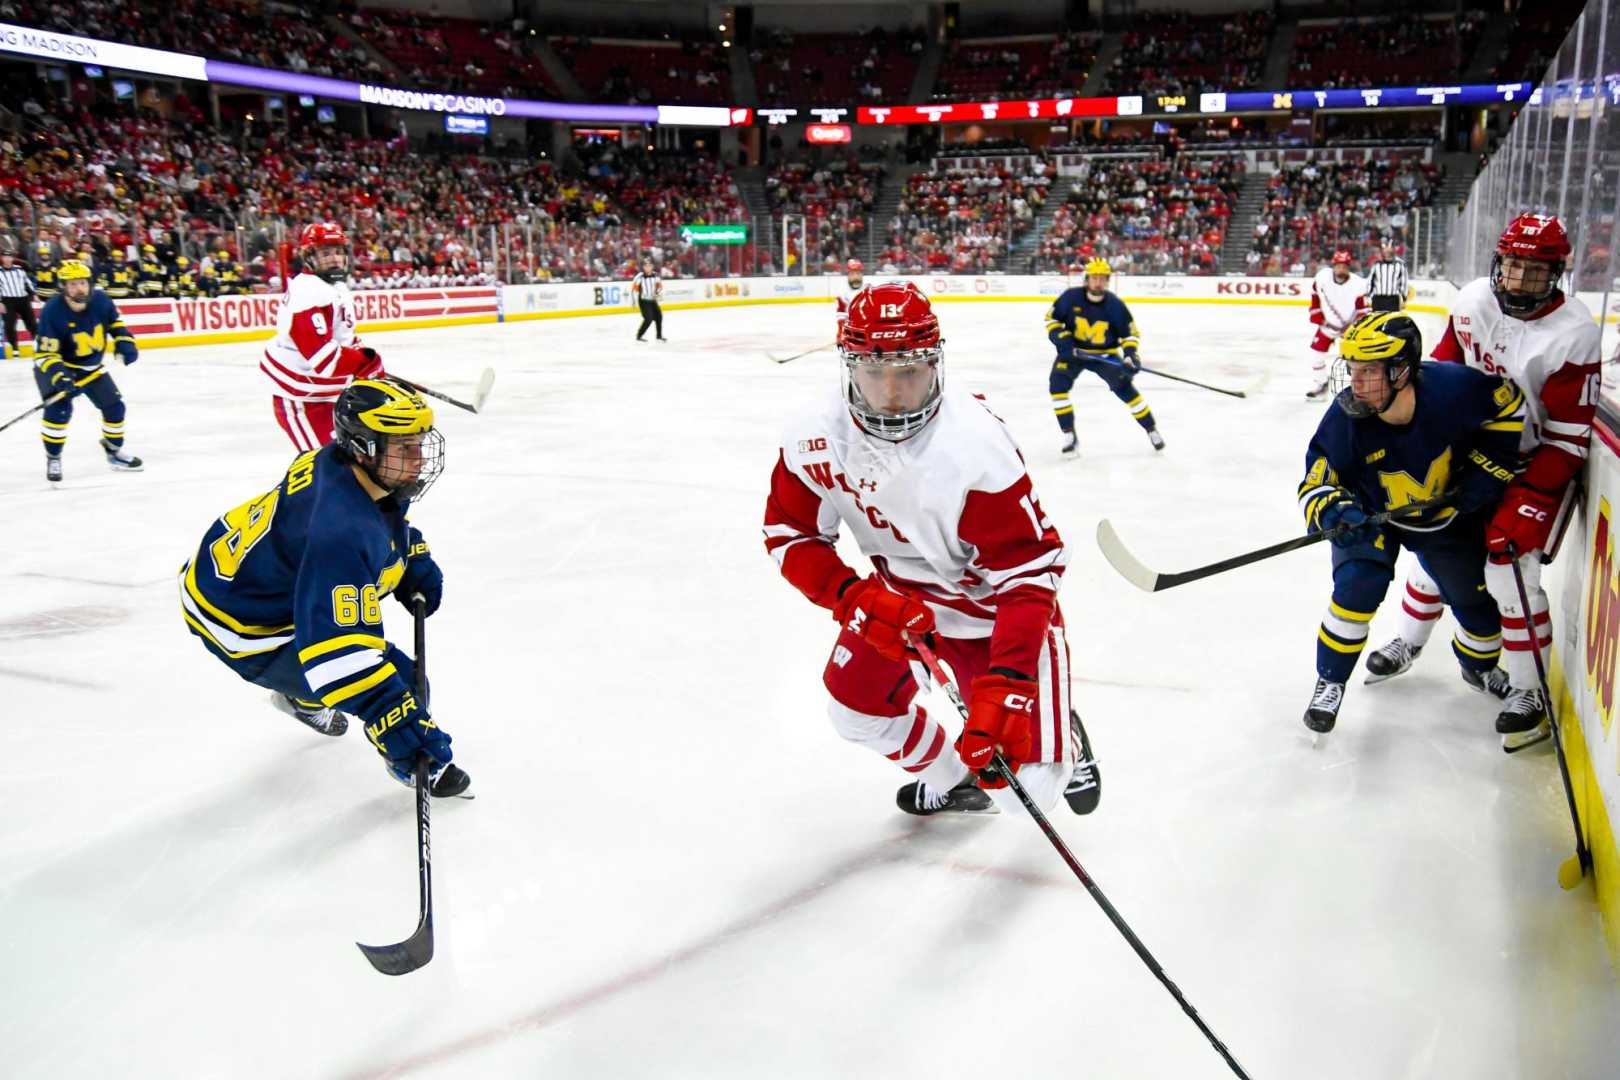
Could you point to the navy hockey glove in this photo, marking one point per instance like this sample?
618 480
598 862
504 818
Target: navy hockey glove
1359 528
1133 362
127 352
405 731
422 575
61 380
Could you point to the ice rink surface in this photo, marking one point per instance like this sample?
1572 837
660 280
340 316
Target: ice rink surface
674 866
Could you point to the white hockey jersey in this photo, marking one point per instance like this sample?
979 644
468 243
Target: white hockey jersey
843 294
1335 306
1555 358
315 352
948 516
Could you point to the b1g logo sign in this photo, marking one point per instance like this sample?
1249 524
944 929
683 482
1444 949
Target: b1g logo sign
607 295
1602 617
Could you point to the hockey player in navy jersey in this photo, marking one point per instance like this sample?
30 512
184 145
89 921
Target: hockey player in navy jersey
74 331
1402 432
287 588
1093 331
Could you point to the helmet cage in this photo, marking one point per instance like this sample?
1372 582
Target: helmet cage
1520 304
876 421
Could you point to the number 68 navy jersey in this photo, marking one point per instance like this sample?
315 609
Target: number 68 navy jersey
292 582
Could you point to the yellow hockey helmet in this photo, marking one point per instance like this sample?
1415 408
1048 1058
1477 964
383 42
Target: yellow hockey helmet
1387 338
370 416
72 270
1098 266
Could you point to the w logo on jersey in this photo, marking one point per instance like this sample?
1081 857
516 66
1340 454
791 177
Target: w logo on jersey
821 472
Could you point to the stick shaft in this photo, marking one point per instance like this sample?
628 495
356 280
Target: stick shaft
1006 771
420 389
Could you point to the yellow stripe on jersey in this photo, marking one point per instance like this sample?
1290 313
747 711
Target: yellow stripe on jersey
342 641
204 631
359 686
241 628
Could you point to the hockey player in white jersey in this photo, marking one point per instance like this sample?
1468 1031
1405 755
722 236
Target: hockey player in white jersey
1337 297
854 281
1517 322
935 492
316 352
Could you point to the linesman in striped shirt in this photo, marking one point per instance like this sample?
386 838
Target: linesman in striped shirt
17 292
1386 279
648 289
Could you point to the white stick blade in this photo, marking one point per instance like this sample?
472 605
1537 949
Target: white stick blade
486 382
1122 560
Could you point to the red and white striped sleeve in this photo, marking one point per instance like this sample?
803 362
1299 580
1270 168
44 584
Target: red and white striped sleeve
1019 554
1449 349
801 531
1317 315
1569 400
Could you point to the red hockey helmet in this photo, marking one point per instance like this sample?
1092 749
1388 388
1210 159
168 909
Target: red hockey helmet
1530 258
855 266
324 249
1342 258
893 360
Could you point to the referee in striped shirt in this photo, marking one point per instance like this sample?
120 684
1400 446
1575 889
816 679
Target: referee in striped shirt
17 293
648 289
1386 279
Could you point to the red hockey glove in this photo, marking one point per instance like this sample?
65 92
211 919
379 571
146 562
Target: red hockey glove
883 617
1524 520
1001 713
372 367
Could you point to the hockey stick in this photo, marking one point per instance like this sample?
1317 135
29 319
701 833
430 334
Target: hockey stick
1132 570
415 951
60 395
1000 765
1574 868
486 382
1194 382
1163 375
807 352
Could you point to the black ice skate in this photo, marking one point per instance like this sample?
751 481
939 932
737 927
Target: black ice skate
1085 783
1391 659
1493 682
452 782
120 460
53 468
1323 711
965 798
1523 721
1320 391
1071 445
311 714
1156 439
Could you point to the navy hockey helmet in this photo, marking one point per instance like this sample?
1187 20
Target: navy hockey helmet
387 430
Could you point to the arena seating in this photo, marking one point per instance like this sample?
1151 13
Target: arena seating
1315 209
1384 51
1176 53
460 54
996 69
964 220
1146 216
835 69
645 72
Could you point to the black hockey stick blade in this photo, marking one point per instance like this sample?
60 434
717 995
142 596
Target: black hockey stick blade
1193 382
416 950
1132 570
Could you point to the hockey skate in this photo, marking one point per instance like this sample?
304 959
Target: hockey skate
53 468
1320 391
1523 721
965 798
1085 783
1156 439
1390 659
1071 445
1493 682
1323 711
448 781
311 714
119 460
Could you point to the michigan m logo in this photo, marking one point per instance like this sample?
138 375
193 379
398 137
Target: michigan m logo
1402 489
